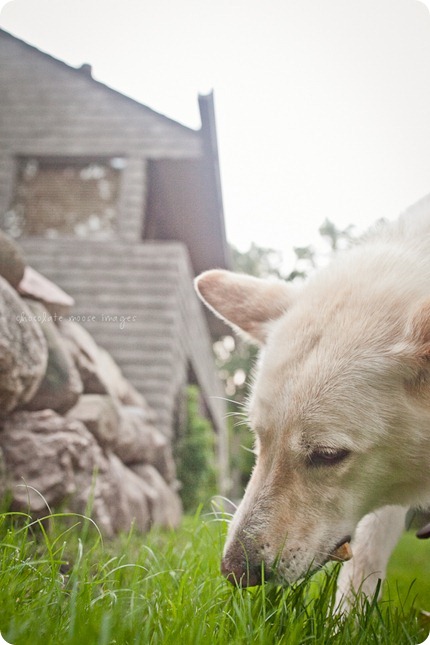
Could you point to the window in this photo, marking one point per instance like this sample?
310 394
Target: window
64 197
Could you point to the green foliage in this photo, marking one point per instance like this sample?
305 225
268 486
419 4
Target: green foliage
195 456
65 586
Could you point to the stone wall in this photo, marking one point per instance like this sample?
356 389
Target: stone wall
75 434
138 302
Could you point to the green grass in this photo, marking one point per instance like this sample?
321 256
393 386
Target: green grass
61 584
409 572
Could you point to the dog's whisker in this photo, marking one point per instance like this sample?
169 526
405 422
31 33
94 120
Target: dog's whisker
239 404
239 424
235 414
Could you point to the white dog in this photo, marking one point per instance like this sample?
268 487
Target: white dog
340 408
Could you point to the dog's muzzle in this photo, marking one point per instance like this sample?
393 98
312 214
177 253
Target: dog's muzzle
242 573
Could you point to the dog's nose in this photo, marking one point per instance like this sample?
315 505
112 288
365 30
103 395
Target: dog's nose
241 574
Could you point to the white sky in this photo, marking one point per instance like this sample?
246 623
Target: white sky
323 106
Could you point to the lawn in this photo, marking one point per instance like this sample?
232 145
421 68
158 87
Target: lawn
61 584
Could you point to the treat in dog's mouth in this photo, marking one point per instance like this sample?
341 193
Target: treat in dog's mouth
342 552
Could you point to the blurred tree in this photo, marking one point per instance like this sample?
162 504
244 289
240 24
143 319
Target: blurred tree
337 237
258 261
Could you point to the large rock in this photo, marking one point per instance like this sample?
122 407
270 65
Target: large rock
85 352
164 503
57 461
3 479
99 372
48 453
139 440
100 415
35 286
23 351
126 498
12 264
61 385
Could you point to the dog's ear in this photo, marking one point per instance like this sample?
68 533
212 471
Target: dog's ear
412 353
246 303
418 331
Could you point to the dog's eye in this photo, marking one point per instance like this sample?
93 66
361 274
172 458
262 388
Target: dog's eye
327 456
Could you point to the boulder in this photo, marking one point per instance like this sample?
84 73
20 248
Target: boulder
23 351
126 498
99 372
12 264
35 286
99 413
3 479
164 503
55 461
139 441
61 385
47 452
85 352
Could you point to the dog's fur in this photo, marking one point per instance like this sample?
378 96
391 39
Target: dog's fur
340 407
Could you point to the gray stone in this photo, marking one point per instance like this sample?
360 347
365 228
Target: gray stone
84 351
35 286
61 385
12 264
164 503
99 372
100 415
46 452
53 463
126 498
23 351
3 476
139 441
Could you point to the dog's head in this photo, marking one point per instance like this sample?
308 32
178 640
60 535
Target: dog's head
341 380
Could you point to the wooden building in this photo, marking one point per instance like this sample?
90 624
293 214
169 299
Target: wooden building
120 206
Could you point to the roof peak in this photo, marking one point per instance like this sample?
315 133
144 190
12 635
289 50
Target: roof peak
86 70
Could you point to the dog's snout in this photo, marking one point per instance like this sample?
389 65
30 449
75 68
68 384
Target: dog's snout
241 573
